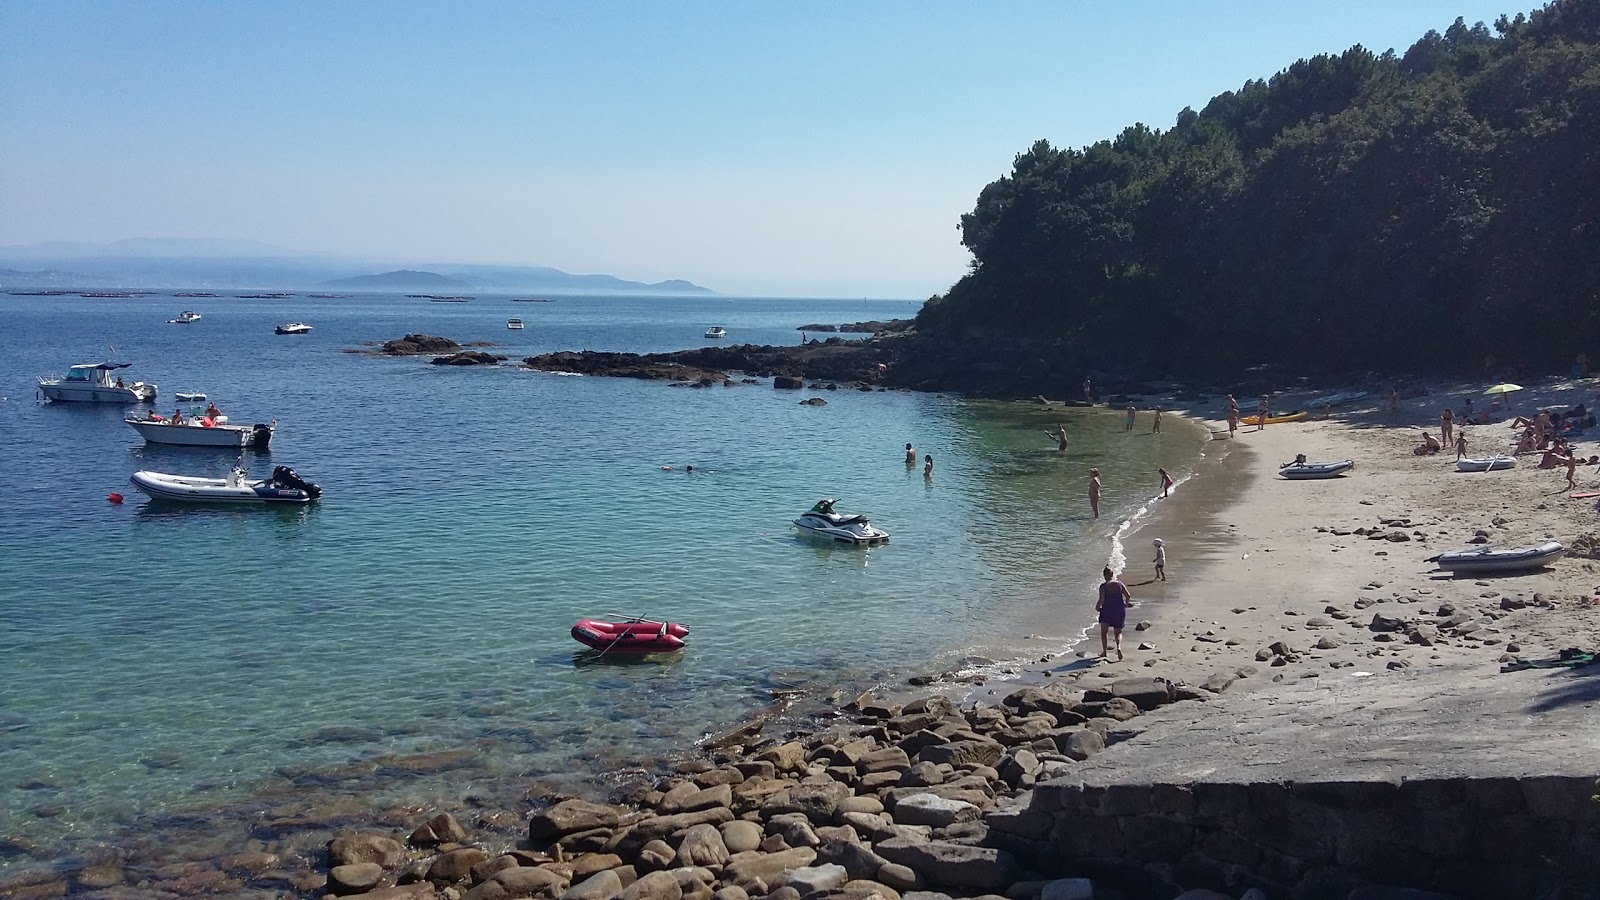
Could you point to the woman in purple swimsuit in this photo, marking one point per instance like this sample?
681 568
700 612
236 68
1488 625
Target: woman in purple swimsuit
1113 609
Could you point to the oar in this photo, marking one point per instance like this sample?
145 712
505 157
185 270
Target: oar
623 620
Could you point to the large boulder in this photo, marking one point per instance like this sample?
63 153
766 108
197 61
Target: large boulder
935 811
519 882
354 878
413 344
956 866
600 886
655 886
767 867
1145 693
360 848
702 845
964 753
569 817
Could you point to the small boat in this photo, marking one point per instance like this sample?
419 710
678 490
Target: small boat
184 318
716 331
635 636
285 486
92 382
1301 470
198 431
293 328
822 521
514 324
1277 420
190 396
1484 559
1334 400
1486 464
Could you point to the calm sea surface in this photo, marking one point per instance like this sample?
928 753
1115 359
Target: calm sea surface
156 658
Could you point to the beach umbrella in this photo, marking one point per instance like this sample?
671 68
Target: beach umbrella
1502 389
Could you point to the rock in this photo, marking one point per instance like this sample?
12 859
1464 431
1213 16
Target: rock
859 861
768 867
485 870
702 845
788 383
796 831
441 829
1399 664
964 753
354 878
591 863
519 882
857 805
657 854
816 802
1424 635
570 816
884 760
1383 623
1329 643
811 879
455 865
731 892
921 775
1263 655
654 886
694 801
360 848
417 344
468 358
1145 693
901 878
937 812
1202 894
1143 626
957 866
1067 889
815 401
1219 682
1080 745
740 836
1318 622
601 885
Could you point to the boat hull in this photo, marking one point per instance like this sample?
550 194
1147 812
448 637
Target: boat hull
1277 420
1486 464
630 637
1486 560
229 436
186 489
138 392
1311 471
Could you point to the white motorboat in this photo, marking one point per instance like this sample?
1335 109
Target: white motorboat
822 521
1300 469
195 432
514 324
1485 464
184 318
92 382
190 396
285 486
1485 559
716 331
293 328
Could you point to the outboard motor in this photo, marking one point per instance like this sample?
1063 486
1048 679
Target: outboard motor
262 436
283 476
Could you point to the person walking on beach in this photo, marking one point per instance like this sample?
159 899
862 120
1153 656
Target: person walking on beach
1166 483
1261 412
1161 559
927 466
1094 491
1113 610
1131 414
1447 422
1233 421
1155 426
911 455
1461 444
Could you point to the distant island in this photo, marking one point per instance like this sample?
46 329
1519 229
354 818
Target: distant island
157 263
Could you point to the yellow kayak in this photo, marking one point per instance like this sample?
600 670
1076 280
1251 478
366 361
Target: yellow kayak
1276 420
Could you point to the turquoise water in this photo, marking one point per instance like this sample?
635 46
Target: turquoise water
156 659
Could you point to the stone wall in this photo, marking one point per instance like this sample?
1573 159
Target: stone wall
1524 837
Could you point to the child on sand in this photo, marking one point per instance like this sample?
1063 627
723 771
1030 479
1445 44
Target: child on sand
1113 610
1461 443
1166 484
1161 559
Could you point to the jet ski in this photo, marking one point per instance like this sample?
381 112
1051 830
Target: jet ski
822 521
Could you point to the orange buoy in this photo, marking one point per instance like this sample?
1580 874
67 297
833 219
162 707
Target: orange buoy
114 497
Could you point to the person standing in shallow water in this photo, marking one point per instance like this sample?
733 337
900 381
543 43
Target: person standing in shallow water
1131 414
1112 607
1061 438
1166 483
1094 491
927 466
911 455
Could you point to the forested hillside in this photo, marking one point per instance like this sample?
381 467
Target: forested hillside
1398 211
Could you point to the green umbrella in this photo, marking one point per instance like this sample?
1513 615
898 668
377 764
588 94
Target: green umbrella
1503 389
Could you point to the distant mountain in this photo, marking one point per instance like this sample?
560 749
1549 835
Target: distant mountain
153 263
397 280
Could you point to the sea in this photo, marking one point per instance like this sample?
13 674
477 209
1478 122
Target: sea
182 672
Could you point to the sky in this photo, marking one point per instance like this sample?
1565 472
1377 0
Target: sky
760 149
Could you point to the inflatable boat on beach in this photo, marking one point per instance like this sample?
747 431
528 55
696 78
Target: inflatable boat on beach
1307 470
638 636
1484 559
1485 464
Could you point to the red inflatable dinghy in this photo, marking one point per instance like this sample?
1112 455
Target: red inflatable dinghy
630 637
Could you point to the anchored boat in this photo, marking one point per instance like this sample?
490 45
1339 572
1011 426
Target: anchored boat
198 431
822 521
285 486
92 382
636 636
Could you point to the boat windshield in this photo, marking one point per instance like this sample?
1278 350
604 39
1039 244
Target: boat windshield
80 374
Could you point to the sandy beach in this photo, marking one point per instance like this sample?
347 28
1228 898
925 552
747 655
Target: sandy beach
1255 559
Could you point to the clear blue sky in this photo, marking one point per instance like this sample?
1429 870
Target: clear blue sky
819 148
